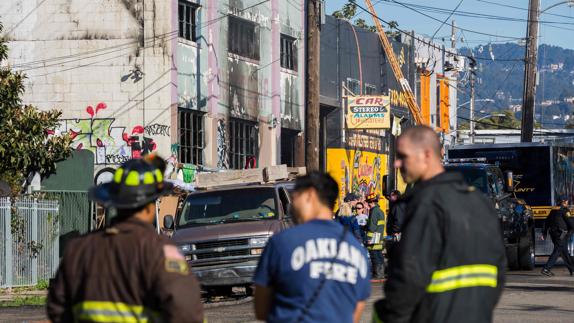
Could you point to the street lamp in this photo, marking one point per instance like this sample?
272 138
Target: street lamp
479 100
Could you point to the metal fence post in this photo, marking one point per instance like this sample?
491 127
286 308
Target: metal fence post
34 240
8 245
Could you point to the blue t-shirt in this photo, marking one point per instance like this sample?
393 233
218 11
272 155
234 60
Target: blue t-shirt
295 261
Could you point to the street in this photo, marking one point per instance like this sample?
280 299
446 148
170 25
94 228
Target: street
528 297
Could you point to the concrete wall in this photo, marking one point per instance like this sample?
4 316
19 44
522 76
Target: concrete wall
105 63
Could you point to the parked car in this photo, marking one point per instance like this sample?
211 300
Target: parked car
222 231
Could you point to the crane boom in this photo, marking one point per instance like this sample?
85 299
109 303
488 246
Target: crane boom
410 97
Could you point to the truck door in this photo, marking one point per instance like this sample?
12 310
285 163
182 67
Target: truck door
285 204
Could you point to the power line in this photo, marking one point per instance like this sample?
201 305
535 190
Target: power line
524 9
465 29
428 43
447 18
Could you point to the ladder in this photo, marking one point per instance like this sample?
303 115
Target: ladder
409 95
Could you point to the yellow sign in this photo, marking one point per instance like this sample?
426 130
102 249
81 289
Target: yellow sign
357 171
368 112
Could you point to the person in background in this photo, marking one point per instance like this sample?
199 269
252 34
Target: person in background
362 219
394 221
558 224
375 234
315 271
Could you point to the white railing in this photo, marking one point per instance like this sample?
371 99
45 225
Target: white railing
29 241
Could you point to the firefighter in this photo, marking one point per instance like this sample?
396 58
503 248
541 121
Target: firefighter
558 224
375 234
126 272
450 262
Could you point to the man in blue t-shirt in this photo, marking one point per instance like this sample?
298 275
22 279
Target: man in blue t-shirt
316 271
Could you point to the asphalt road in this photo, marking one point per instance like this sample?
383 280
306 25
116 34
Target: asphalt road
528 297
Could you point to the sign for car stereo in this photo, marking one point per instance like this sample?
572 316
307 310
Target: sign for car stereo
368 112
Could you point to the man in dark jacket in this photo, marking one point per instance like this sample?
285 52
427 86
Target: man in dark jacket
450 262
397 209
558 224
127 272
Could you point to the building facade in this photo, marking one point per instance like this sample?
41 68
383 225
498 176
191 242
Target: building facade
353 62
217 84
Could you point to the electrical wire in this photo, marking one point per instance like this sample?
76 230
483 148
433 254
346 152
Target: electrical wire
524 9
428 43
447 18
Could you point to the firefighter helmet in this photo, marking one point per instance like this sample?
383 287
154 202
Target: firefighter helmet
136 183
373 197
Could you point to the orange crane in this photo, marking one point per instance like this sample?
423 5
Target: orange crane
409 95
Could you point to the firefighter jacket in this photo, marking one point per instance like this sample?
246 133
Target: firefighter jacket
376 225
450 262
126 273
558 222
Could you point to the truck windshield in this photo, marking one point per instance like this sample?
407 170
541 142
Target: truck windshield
473 176
241 205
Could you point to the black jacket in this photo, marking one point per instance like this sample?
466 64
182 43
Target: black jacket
396 217
558 221
127 270
450 262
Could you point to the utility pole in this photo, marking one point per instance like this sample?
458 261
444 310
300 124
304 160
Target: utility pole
528 98
312 86
472 75
453 35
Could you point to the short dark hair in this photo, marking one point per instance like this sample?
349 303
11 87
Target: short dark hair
325 186
424 136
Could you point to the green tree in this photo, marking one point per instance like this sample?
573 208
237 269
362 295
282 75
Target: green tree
25 145
348 11
504 120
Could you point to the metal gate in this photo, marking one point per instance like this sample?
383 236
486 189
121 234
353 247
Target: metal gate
29 241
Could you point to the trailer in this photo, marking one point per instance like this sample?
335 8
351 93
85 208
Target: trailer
542 173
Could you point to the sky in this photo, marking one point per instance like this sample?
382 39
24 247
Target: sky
503 22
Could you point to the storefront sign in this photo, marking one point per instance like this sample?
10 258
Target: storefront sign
368 112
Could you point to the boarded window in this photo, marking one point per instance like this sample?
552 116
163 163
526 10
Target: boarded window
187 16
191 136
243 144
243 38
288 52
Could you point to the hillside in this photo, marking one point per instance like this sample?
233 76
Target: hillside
502 80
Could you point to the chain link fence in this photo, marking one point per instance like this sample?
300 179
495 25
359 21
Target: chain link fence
29 241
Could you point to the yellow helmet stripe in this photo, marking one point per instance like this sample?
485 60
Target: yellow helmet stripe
133 178
148 178
118 175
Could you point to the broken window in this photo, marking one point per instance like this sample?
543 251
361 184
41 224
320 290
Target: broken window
187 16
191 136
354 86
288 52
243 144
370 89
243 38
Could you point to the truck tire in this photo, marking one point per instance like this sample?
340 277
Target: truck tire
512 257
526 257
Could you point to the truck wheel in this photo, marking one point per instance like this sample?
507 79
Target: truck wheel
512 257
526 256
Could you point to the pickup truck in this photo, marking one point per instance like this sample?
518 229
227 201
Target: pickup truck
516 217
222 231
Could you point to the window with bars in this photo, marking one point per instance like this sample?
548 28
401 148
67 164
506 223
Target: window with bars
187 15
354 86
288 52
191 137
243 144
243 37
370 89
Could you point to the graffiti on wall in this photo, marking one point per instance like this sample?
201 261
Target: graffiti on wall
222 160
357 171
110 144
157 129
